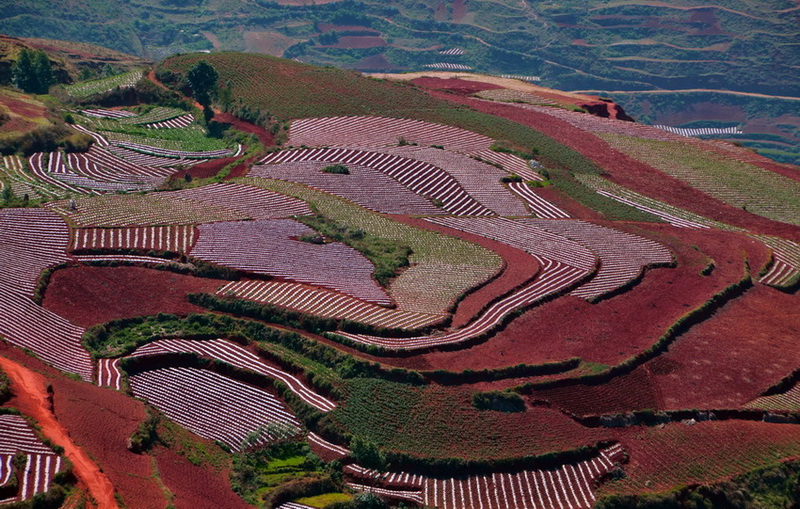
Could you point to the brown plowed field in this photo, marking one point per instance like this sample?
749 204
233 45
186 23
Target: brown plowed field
87 295
196 486
456 85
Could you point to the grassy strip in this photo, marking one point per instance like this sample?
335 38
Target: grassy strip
681 325
388 256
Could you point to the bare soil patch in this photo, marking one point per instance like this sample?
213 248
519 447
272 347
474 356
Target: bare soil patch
87 295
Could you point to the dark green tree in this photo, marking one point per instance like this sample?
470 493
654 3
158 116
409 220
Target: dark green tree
203 80
32 72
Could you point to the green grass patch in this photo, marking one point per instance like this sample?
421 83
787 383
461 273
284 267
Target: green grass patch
388 256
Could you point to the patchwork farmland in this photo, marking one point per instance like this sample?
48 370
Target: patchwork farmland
360 289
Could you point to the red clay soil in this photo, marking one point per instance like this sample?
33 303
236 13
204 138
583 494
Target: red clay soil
456 85
204 170
196 486
749 345
32 399
358 42
616 328
262 134
663 459
627 171
519 267
87 295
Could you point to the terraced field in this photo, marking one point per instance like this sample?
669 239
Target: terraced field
462 310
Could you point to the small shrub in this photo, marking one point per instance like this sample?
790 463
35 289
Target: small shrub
500 401
511 178
338 169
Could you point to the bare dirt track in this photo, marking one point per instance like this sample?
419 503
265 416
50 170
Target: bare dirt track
32 398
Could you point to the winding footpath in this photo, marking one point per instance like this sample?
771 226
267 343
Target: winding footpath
32 399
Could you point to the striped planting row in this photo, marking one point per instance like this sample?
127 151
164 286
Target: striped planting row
269 247
17 435
365 186
110 175
13 162
6 468
113 164
177 154
294 505
173 123
120 258
382 132
520 77
142 210
99 139
510 162
623 256
448 66
702 131
237 356
318 442
38 474
571 486
407 495
157 238
786 267
37 165
452 52
789 400
525 236
537 204
327 304
564 263
252 201
100 113
554 278
424 179
481 181
32 240
151 160
108 373
214 406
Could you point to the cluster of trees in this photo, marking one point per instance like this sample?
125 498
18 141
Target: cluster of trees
33 72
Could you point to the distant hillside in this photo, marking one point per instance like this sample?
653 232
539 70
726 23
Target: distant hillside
71 60
618 45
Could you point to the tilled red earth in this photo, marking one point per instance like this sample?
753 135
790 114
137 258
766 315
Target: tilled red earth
87 295
750 344
196 486
456 85
627 171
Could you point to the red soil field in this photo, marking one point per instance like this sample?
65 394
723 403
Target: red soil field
456 85
749 345
330 27
31 397
22 108
196 487
87 295
629 172
706 452
204 170
616 328
518 268
459 10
